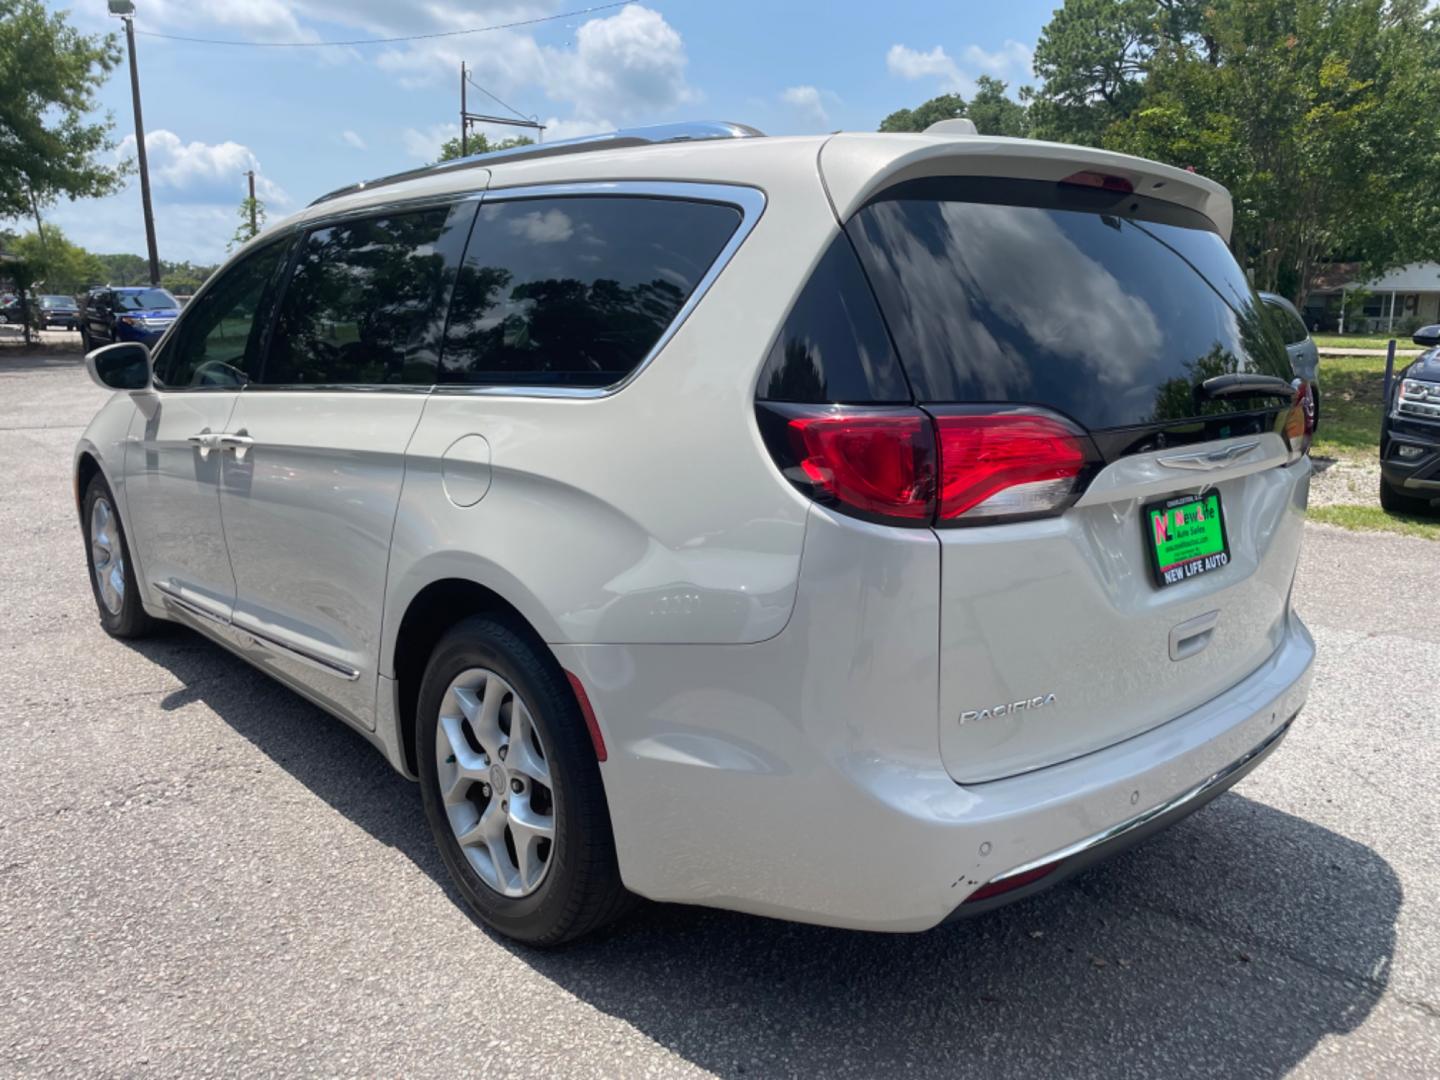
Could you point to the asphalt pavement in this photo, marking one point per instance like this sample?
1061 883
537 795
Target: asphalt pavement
200 873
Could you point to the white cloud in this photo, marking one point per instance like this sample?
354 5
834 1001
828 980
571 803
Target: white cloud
621 67
425 145
630 63
351 138
809 102
912 64
1012 61
198 171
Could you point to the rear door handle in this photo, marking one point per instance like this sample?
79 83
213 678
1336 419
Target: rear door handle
205 441
1192 635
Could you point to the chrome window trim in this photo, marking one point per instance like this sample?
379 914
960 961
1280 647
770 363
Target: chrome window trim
750 201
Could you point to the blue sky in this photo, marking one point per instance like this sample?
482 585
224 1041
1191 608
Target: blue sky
312 119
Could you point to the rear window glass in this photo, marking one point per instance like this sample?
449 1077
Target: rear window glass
144 300
576 290
1111 309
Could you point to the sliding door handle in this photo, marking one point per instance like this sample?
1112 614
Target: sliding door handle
205 441
238 441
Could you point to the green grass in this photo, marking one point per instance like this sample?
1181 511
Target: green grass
1374 519
1351 389
1361 341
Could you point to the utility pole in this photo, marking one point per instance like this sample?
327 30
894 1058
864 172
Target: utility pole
254 229
464 116
467 117
125 9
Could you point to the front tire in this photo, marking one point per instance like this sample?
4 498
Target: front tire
511 787
112 573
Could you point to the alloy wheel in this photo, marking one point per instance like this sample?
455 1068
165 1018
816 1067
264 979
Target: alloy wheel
106 557
495 782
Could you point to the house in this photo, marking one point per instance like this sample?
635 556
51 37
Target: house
1404 297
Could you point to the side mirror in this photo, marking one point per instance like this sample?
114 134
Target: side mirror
122 366
1427 335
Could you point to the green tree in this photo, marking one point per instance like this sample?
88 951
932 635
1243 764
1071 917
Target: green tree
49 75
1318 115
478 144
252 221
57 265
944 107
993 112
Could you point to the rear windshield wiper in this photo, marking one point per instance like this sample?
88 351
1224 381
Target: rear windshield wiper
1242 385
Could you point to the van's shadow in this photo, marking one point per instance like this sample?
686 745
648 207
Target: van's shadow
1229 945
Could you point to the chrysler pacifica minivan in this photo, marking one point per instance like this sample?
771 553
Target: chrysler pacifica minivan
866 529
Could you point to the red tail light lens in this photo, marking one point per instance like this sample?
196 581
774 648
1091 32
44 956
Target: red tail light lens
1107 181
1300 421
905 466
880 463
993 466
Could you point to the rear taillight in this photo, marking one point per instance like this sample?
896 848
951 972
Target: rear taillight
905 466
1300 420
878 462
1001 466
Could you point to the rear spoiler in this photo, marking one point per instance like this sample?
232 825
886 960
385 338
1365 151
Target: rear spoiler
856 167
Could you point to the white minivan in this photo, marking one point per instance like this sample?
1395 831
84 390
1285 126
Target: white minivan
864 529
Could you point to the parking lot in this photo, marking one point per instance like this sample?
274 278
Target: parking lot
201 873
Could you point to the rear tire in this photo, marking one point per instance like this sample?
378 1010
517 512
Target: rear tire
521 823
112 573
1394 502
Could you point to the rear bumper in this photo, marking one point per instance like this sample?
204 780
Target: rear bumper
722 799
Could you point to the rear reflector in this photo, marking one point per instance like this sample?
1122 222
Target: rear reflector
881 464
1010 884
993 466
1100 180
591 724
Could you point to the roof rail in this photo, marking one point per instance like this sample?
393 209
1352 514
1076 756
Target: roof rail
695 131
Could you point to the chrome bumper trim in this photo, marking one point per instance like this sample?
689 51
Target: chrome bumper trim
1147 816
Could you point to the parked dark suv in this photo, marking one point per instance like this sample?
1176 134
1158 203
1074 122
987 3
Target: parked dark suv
1410 438
61 311
136 313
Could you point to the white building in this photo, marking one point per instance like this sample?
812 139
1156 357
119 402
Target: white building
1405 295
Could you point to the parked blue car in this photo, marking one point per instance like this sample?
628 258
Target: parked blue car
134 313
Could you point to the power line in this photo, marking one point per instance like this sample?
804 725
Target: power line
385 40
495 99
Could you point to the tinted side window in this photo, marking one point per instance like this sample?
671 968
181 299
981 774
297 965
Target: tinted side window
1290 327
365 305
218 341
834 346
576 291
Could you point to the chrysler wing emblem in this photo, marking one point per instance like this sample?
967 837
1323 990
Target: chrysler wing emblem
1209 459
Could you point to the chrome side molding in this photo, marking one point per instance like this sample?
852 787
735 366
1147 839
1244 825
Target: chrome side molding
173 597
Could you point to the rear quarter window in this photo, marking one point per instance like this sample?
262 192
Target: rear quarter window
576 290
1109 309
